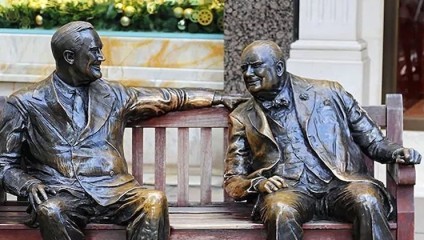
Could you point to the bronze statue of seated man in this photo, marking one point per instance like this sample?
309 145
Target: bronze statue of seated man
68 132
297 144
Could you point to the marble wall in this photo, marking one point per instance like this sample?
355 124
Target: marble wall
246 21
134 61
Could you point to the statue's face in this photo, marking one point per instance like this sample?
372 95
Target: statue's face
87 60
260 72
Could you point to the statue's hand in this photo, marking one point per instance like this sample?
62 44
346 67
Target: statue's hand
271 184
229 101
37 193
232 101
406 156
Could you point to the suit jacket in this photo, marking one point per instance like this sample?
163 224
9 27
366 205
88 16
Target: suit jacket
36 128
333 124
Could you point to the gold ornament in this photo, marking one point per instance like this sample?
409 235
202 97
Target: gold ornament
194 16
129 11
125 21
180 1
151 7
119 7
205 17
181 25
187 13
220 23
178 12
39 20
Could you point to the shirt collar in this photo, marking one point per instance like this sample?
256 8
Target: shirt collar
65 89
282 100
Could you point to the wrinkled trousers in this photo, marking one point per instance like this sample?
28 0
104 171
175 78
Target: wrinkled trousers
360 203
143 211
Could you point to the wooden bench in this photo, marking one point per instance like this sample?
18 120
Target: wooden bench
207 218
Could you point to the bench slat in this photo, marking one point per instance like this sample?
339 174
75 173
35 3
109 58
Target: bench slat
183 166
206 165
160 158
137 154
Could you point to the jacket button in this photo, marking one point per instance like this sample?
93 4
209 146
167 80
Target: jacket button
111 173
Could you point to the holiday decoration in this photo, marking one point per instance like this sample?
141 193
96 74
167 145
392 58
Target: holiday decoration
119 7
39 20
187 13
205 17
181 25
129 11
200 16
125 21
178 12
194 16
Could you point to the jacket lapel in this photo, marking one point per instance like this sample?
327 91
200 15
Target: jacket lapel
45 102
259 121
304 100
99 109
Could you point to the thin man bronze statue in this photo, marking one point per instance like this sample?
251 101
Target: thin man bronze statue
68 132
297 145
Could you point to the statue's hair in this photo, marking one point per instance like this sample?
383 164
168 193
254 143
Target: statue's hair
68 37
271 47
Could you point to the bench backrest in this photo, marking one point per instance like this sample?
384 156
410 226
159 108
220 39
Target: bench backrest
206 120
389 116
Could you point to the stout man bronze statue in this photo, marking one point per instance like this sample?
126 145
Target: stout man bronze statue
297 144
68 131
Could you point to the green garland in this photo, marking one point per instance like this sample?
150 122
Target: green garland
194 16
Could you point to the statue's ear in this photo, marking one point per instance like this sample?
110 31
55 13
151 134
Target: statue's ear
281 68
69 56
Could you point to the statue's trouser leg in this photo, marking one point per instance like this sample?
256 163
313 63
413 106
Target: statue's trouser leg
361 203
284 212
62 217
145 212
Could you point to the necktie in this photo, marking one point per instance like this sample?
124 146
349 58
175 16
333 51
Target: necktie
78 112
276 103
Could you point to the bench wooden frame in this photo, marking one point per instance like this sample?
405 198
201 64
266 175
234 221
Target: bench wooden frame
206 219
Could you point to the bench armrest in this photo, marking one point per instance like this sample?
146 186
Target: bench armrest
402 174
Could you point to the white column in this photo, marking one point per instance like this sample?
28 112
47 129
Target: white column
330 45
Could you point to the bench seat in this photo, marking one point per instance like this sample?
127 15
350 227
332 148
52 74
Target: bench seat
218 221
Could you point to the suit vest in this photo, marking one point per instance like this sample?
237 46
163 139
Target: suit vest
299 163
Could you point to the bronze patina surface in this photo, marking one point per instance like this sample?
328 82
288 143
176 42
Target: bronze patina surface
296 146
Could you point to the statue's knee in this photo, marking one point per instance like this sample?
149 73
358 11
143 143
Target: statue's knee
369 198
50 209
156 198
281 210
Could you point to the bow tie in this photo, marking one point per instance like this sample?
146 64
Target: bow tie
276 103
